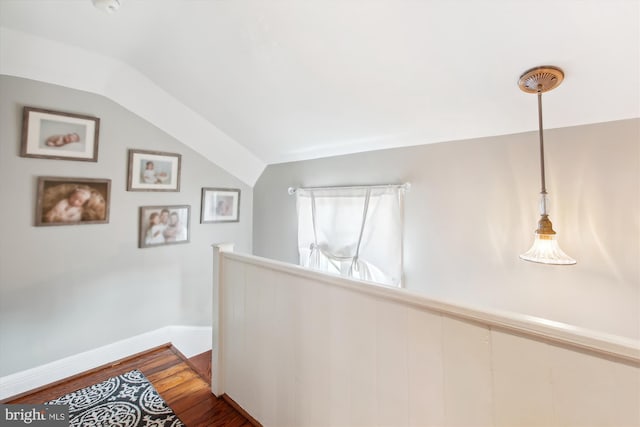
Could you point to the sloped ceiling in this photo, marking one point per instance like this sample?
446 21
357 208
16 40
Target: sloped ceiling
250 83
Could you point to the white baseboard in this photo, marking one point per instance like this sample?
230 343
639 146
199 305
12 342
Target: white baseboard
189 340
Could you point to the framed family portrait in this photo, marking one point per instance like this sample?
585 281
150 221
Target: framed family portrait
153 171
163 225
72 201
49 134
220 205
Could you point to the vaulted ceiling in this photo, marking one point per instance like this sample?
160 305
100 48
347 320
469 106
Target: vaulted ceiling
272 81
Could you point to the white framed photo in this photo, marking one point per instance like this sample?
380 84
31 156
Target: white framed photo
153 171
49 134
220 205
163 225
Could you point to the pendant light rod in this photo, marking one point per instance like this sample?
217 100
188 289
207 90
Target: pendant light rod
543 185
538 80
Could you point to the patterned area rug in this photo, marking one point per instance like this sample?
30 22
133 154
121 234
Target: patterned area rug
128 400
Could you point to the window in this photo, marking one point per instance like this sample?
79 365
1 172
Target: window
352 231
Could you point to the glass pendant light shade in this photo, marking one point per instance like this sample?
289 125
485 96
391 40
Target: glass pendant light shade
545 249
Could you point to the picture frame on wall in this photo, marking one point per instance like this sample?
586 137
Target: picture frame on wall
220 205
72 201
49 134
164 225
153 171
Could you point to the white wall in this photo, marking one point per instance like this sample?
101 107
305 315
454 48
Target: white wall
472 210
69 289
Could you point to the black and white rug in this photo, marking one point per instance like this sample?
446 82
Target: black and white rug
128 400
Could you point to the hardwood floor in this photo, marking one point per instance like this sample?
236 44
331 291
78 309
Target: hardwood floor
183 383
202 365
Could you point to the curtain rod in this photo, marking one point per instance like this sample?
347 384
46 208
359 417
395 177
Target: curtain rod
406 186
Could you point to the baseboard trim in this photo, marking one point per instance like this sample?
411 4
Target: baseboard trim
238 408
89 372
189 340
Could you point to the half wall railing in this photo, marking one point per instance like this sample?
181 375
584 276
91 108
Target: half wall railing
295 347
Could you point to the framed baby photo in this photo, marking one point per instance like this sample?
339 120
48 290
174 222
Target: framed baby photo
72 201
48 134
153 171
220 205
163 225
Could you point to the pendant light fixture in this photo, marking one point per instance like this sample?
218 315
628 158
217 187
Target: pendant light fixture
545 247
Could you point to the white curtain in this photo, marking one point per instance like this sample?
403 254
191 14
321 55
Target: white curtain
353 231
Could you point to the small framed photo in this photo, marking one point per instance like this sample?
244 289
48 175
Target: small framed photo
153 171
220 205
51 134
164 225
72 201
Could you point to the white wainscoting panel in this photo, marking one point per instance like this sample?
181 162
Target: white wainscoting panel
426 368
466 351
300 348
520 361
234 353
282 332
593 391
392 376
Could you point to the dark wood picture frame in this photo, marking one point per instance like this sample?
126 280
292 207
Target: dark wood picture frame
153 171
164 225
72 201
220 205
49 134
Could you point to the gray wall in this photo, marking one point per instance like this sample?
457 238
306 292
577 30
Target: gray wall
472 210
68 289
